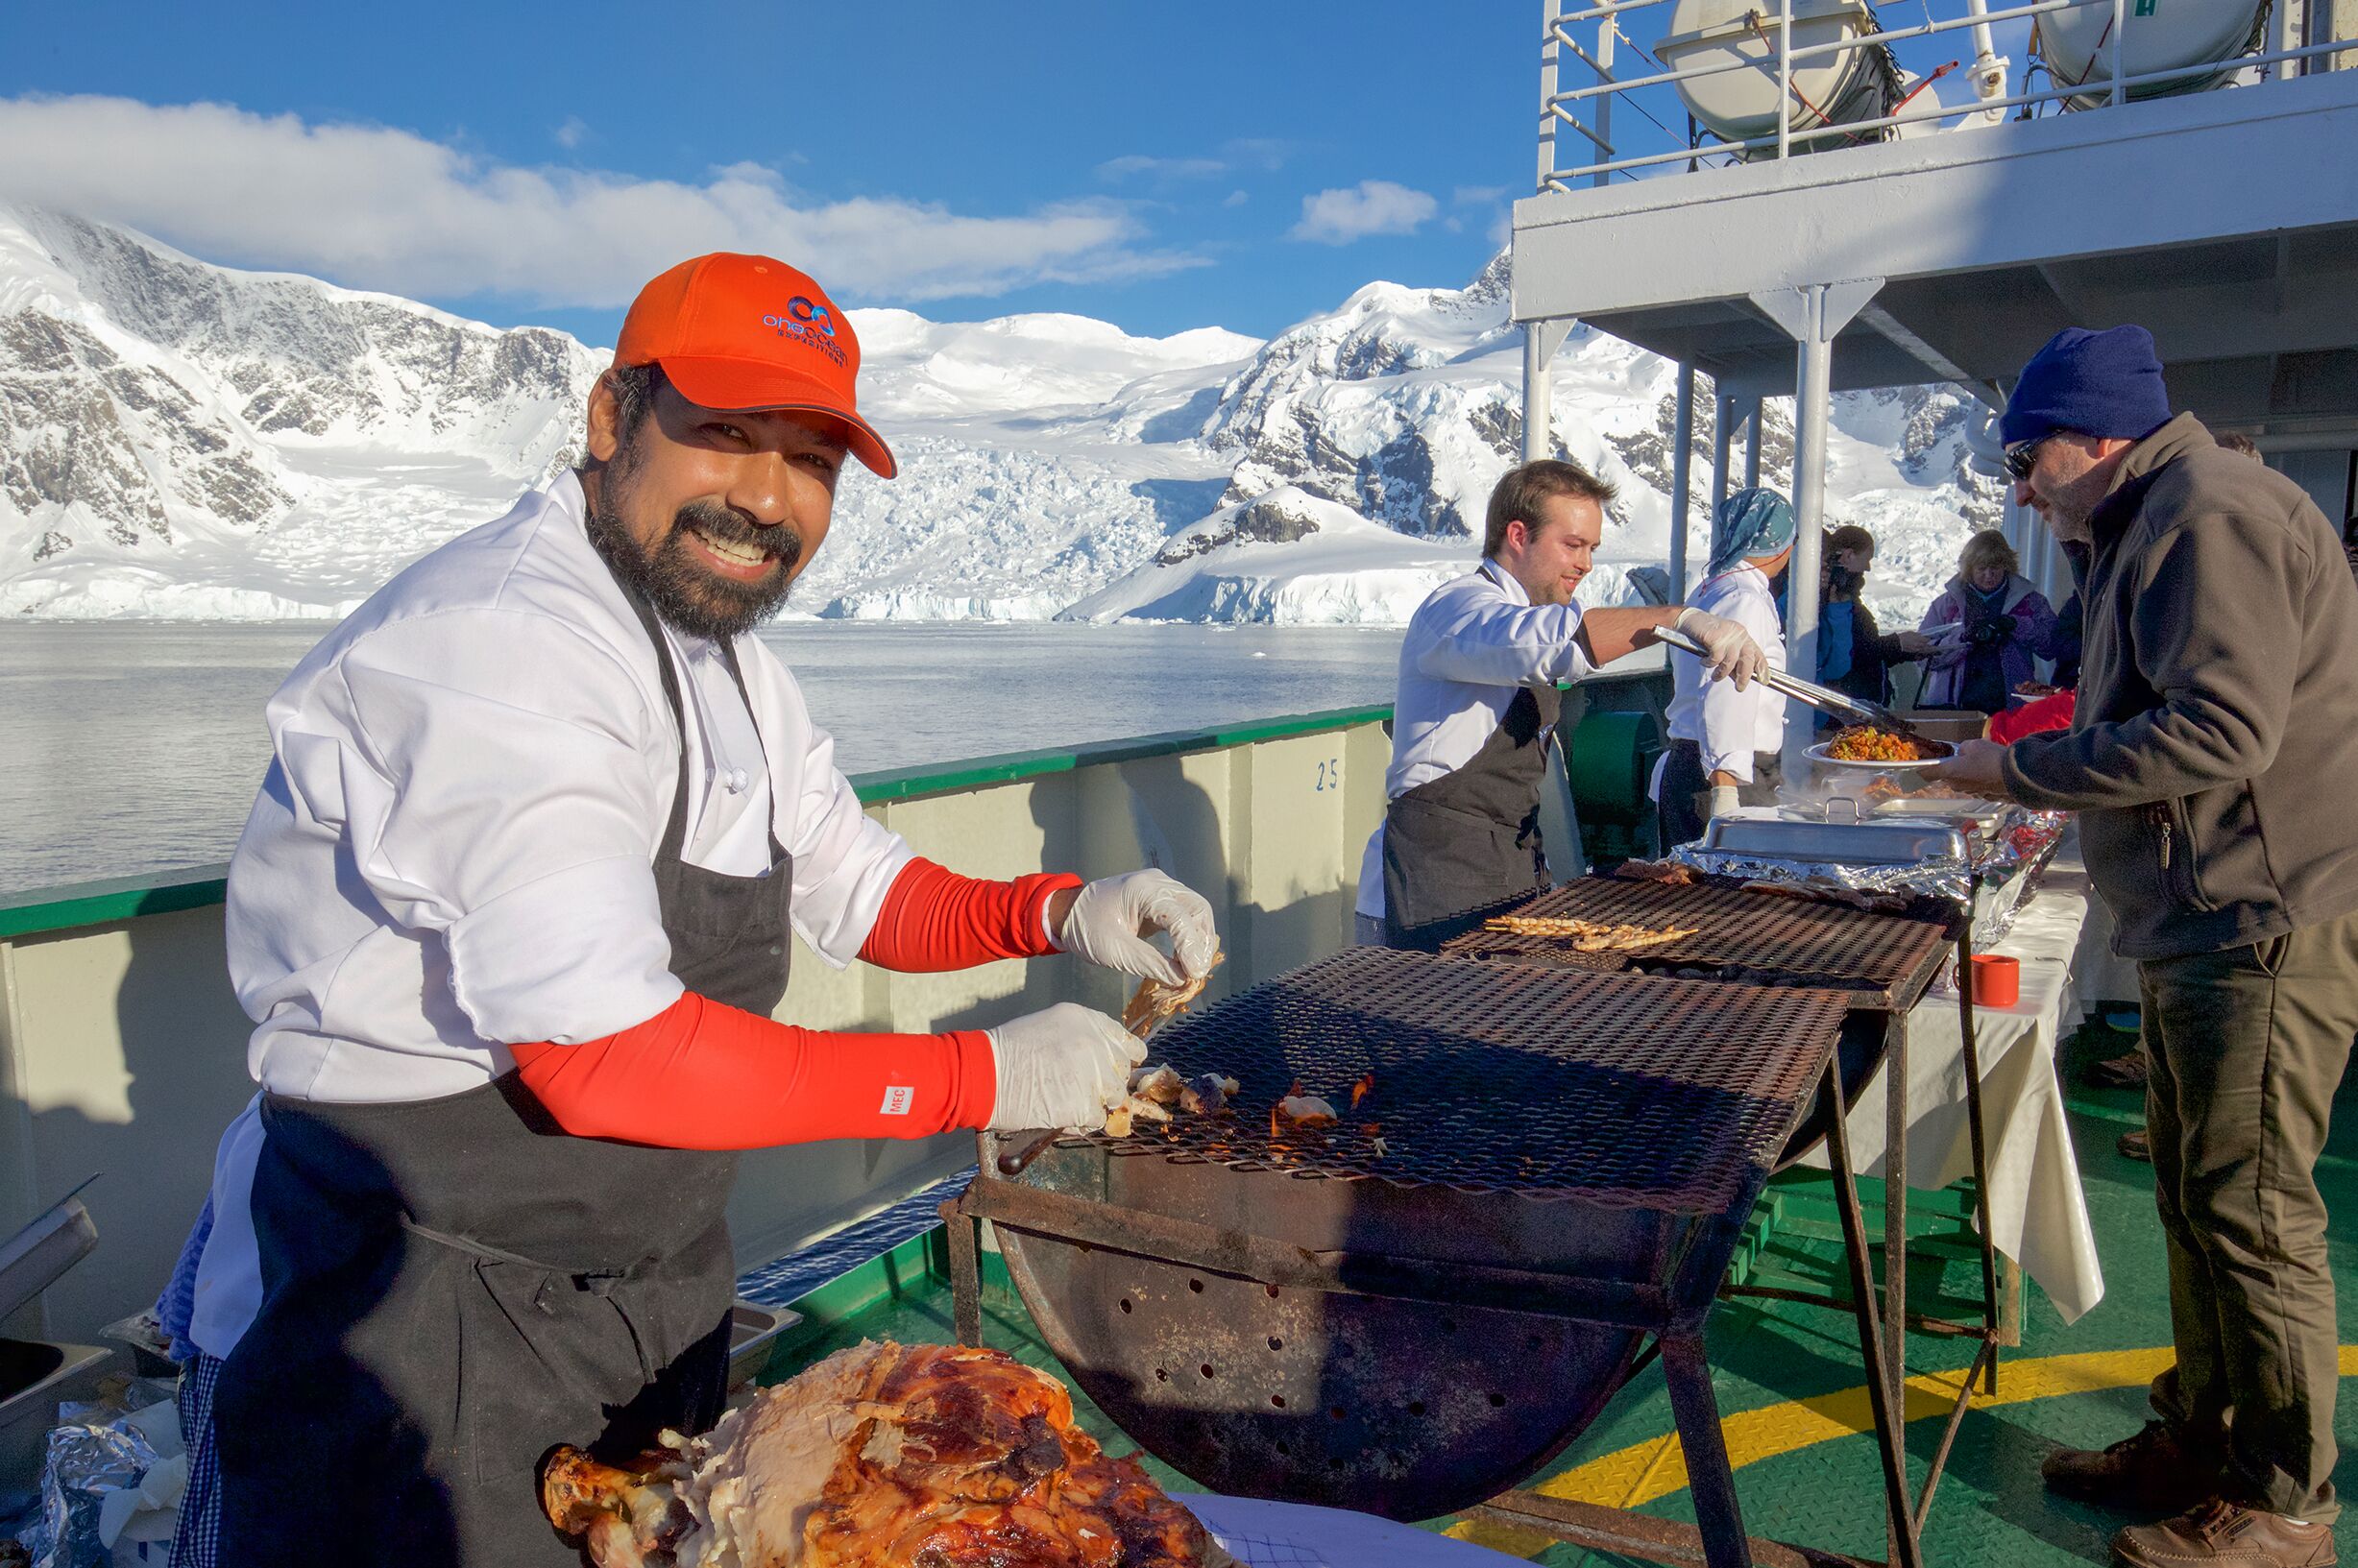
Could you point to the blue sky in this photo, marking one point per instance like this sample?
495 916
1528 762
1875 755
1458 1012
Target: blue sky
1161 167
1144 164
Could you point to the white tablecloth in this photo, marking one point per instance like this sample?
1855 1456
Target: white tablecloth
1297 1535
2039 1213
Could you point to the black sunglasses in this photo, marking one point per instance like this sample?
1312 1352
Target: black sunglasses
2022 456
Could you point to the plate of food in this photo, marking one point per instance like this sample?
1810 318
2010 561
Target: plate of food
2029 691
1864 745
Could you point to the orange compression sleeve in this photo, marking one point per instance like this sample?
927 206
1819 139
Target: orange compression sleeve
934 919
701 1074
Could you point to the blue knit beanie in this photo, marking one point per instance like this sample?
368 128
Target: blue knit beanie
2097 383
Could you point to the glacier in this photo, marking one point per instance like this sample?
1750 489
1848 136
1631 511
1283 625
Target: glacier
188 441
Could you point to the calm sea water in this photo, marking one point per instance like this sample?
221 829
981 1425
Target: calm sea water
129 749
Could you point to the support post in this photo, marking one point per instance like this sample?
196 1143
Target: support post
965 1269
1710 1477
2120 26
1785 79
1813 316
1606 30
1723 449
1549 11
1752 445
1540 341
1682 480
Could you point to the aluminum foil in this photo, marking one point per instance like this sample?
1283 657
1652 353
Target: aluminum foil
103 1459
1943 877
85 1465
2022 843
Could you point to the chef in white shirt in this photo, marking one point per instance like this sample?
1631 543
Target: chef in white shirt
1478 701
513 913
1725 744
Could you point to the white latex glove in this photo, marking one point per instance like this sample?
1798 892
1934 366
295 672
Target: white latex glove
1061 1067
1112 916
1723 799
1729 651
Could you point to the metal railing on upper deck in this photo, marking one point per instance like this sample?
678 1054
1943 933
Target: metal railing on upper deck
1592 37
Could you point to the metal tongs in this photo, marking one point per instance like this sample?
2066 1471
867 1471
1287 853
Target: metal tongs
1840 704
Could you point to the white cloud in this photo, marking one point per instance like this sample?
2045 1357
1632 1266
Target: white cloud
1236 198
1266 152
1161 168
1477 195
379 207
572 133
1373 207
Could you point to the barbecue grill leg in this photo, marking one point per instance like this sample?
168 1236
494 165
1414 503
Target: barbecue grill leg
1886 1403
965 1274
1981 1157
1895 1210
1710 1477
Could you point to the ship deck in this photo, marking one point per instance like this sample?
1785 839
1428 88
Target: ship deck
1787 1376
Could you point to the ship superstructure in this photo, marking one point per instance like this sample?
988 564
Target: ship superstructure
1833 237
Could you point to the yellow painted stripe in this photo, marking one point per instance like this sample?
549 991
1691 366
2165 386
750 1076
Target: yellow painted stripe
1643 1472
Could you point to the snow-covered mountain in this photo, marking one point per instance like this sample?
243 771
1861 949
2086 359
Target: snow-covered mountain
184 441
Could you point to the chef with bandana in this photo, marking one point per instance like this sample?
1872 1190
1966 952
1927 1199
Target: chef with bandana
1724 743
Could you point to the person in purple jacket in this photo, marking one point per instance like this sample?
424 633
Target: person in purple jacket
2006 624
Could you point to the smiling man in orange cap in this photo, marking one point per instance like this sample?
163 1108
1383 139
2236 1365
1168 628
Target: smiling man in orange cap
512 914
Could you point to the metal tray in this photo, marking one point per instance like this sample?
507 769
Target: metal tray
36 1255
1883 842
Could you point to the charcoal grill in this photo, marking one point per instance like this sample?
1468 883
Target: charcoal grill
1422 1306
1883 962
1879 962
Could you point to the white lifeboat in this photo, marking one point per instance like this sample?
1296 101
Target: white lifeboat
1741 105
2156 36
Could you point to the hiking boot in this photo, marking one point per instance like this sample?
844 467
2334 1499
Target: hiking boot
2127 1072
2136 1146
2151 1473
2229 1534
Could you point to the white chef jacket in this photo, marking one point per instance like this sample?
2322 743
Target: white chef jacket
1470 647
1729 726
452 850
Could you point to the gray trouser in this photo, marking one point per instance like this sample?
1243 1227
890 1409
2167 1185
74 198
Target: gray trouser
2246 1048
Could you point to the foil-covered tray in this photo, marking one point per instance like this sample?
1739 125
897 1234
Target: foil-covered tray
1882 842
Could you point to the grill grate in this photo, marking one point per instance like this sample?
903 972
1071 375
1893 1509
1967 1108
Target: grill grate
1552 1084
1757 938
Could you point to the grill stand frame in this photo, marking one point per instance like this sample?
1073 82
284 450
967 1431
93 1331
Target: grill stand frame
1993 1333
1675 1317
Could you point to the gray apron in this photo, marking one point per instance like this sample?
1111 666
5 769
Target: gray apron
454 1287
1472 837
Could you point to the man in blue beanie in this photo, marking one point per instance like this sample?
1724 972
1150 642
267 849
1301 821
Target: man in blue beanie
2209 762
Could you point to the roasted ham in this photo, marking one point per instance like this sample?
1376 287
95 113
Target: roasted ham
883 1456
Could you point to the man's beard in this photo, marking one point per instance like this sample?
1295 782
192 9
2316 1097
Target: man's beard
684 595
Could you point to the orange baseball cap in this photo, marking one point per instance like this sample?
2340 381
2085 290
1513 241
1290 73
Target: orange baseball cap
745 332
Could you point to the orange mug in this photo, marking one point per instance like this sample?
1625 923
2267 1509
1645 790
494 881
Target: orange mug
1997 980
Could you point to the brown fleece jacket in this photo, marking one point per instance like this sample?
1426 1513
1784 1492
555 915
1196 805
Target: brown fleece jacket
2214 757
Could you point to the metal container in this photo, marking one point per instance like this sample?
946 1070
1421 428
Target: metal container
753 1328
1407 1310
34 1376
36 1255
1875 842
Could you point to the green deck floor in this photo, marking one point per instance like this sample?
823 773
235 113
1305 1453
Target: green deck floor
2082 1384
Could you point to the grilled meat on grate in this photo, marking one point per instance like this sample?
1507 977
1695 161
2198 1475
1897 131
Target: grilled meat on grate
1742 934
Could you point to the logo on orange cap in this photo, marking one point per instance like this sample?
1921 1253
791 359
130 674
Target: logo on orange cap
746 332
